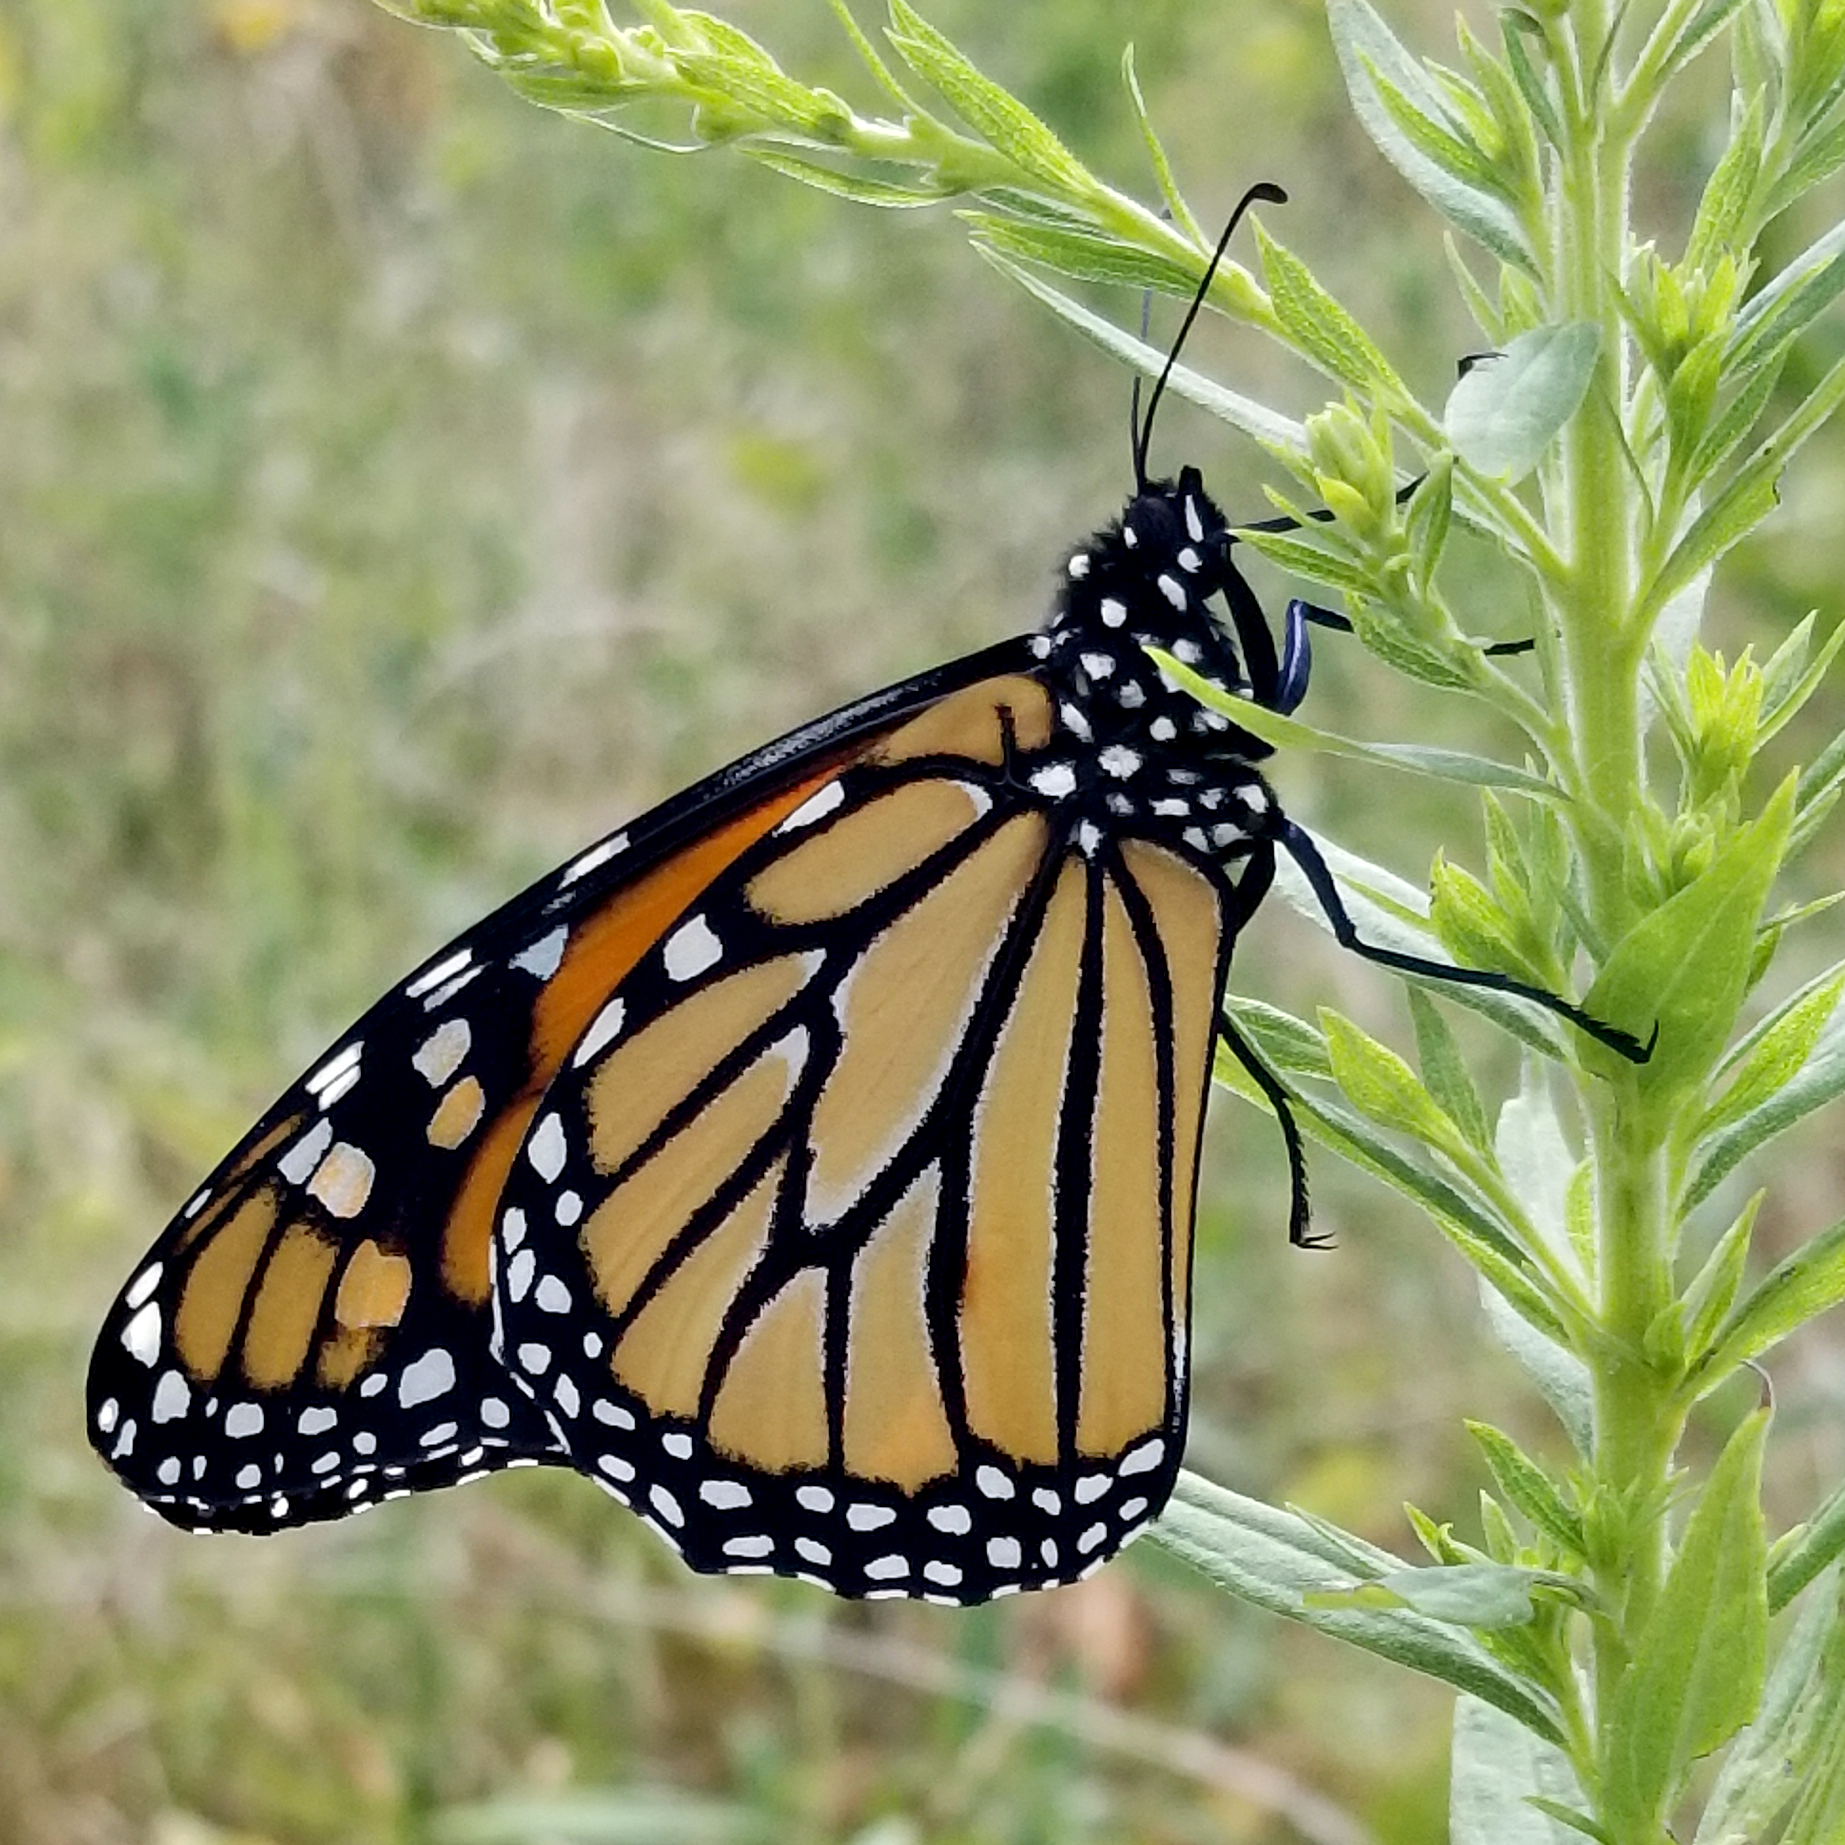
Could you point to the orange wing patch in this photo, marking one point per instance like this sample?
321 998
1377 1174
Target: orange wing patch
601 952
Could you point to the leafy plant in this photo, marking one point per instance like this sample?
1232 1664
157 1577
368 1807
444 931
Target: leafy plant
1610 1627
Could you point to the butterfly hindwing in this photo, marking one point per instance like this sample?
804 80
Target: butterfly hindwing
310 1333
853 1238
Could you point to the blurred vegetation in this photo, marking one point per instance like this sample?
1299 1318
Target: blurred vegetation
397 487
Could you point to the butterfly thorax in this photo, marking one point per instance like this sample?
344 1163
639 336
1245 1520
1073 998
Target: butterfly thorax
1143 751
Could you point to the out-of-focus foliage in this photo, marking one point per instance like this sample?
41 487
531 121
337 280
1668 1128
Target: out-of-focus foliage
397 486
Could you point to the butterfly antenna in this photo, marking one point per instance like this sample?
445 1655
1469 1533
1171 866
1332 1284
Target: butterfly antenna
1146 323
1143 435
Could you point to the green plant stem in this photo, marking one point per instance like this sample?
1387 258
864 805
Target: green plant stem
1603 649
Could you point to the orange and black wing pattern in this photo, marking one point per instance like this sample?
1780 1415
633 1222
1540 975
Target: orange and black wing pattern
310 1334
853 1238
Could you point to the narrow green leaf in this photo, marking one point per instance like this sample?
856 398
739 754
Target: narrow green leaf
1482 1595
1383 1088
1534 86
1479 304
1473 926
1698 1669
1085 255
1776 714
1762 1770
1525 1484
1700 29
1569 1818
1481 1240
999 118
1779 1055
1821 1081
1497 1768
852 186
1156 153
1442 146
1290 1044
613 1816
1819 157
880 71
1751 494
1766 320
1537 1162
1445 1072
1806 1552
1244 413
1367 48
1818 1817
1315 559
1429 518
1561 1377
1685 967
1796 1290
1507 410
1275 1560
1735 421
1289 733
1317 325
1729 190
1395 918
1714 1288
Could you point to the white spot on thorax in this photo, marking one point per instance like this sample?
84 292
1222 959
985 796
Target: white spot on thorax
1114 613
1162 729
1186 651
1173 590
692 948
1098 665
1079 565
1131 696
440 1054
542 958
1130 538
1189 560
1120 761
1194 525
1056 781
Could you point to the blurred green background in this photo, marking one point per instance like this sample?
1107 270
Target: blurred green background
398 487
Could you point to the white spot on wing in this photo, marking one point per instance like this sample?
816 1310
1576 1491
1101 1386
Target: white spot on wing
334 1068
431 1376
300 1160
172 1398
440 1054
445 969
691 948
612 847
144 1285
343 1180
141 1336
817 806
726 1495
317 1421
546 1150
602 1028
243 1420
543 957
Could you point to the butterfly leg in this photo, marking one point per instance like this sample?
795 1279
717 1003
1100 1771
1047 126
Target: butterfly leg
1300 1232
1319 877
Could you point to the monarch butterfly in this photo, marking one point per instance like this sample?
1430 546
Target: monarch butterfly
812 1163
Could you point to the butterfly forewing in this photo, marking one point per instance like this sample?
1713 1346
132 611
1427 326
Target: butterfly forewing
853 1239
311 1332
